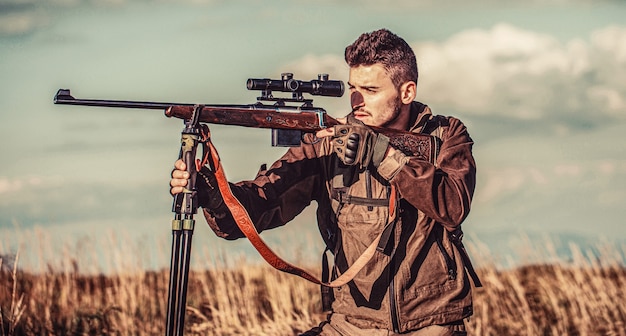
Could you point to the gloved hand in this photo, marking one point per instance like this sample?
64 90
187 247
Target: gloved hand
357 144
209 196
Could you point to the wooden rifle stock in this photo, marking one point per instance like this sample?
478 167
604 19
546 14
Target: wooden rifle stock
259 116
422 146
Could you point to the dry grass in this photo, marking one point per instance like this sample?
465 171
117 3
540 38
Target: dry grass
251 300
578 297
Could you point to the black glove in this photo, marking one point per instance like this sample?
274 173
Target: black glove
209 196
357 144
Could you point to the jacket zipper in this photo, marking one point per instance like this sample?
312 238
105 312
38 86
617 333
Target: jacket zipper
368 188
393 310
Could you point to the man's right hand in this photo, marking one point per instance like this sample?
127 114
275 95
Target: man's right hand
209 196
180 177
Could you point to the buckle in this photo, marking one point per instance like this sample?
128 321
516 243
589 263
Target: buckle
456 236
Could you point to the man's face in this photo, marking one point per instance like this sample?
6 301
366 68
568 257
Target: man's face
375 100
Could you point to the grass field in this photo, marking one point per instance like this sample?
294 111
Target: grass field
581 296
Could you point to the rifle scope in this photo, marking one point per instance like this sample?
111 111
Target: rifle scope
317 87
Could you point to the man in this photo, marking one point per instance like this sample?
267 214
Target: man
416 283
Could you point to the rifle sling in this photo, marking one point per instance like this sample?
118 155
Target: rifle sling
245 224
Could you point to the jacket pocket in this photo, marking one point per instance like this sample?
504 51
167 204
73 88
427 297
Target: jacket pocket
449 262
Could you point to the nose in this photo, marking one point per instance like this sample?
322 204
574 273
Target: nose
356 100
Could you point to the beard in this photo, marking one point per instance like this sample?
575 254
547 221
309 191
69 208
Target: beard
396 109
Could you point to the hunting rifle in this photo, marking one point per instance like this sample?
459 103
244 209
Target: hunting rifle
288 124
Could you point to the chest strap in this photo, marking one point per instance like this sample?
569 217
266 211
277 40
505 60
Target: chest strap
341 195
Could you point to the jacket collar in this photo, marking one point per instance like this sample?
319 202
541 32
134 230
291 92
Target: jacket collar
420 114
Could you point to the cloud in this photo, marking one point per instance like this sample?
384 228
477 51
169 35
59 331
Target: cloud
22 17
522 74
19 23
611 40
8 185
13 4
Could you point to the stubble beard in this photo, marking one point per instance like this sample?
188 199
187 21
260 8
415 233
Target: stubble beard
396 109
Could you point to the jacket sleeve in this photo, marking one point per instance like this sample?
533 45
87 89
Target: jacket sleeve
275 196
443 191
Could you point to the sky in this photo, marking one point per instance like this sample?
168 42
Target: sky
541 86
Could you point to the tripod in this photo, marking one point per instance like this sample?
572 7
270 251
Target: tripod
185 205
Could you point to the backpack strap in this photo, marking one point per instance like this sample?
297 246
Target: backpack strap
456 237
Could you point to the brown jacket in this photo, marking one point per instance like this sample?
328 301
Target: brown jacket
419 278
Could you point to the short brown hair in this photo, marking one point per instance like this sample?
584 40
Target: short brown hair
389 50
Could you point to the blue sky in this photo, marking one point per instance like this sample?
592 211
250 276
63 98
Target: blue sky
540 85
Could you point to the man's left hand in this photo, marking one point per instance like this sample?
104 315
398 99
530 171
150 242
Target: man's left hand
357 144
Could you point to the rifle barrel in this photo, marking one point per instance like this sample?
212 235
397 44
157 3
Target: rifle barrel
64 97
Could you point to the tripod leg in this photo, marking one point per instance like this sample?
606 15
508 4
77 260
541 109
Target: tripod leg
172 295
183 280
182 229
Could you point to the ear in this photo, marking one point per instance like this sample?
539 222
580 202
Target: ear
408 92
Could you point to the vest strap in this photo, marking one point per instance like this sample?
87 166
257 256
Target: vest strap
341 195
